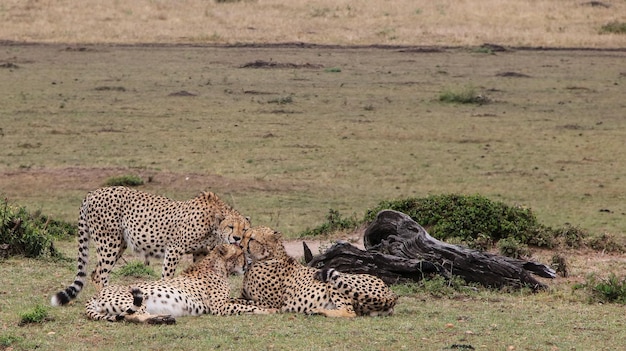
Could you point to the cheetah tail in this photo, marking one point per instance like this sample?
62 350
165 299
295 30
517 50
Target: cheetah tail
326 275
63 297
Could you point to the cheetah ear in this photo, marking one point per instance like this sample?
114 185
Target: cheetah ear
248 219
277 236
220 217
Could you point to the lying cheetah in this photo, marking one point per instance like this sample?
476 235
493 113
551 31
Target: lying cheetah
152 225
201 289
276 280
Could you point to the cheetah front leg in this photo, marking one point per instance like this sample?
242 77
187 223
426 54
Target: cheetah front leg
341 313
172 257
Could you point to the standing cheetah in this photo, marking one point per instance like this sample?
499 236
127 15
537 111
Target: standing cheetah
151 225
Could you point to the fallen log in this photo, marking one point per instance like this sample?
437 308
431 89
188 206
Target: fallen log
398 250
347 258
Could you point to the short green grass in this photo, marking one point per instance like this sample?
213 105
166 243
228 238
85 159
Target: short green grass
431 316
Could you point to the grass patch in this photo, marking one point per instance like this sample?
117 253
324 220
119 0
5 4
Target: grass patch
38 314
614 28
8 340
124 180
135 270
333 70
438 287
466 95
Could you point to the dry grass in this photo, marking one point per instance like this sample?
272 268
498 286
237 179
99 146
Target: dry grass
551 23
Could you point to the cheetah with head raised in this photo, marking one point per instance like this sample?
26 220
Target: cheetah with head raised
276 280
117 217
201 289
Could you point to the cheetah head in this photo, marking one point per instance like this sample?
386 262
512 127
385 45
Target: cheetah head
260 243
233 256
233 227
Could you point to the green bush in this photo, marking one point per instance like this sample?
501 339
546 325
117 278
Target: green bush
24 234
470 218
125 180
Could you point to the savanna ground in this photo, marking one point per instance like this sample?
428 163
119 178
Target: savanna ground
287 132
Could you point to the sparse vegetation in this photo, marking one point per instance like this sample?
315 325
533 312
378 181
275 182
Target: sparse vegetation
281 100
466 95
334 222
124 180
8 340
614 28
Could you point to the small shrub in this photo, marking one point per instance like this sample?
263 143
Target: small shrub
609 290
467 95
571 236
135 270
614 28
334 222
23 234
38 314
333 70
125 180
606 242
510 247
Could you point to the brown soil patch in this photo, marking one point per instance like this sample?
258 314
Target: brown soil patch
87 179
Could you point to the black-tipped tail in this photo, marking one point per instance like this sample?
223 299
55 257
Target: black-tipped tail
65 296
137 299
325 275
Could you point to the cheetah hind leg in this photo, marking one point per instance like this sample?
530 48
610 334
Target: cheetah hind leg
145 318
150 318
